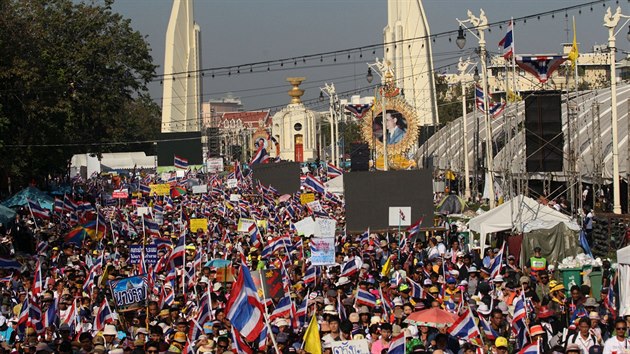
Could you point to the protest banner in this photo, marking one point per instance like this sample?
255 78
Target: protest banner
325 227
200 189
305 227
306 198
271 286
322 251
359 346
315 206
200 223
150 255
144 211
161 189
245 224
120 193
232 183
235 197
215 165
129 293
399 216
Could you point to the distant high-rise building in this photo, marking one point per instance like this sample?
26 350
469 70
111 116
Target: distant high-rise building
408 48
181 98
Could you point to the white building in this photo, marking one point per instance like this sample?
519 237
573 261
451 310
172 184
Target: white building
181 98
294 127
408 48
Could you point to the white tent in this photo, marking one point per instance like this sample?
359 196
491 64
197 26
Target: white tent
521 213
623 267
335 185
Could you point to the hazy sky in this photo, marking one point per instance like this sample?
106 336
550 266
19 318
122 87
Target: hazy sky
243 31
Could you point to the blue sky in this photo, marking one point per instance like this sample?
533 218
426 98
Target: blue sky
243 31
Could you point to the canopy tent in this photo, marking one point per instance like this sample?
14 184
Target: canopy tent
556 243
521 213
32 193
6 214
451 204
623 268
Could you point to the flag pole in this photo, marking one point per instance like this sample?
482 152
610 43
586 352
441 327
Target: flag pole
513 59
270 332
33 215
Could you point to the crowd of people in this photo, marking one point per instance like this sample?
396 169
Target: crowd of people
56 269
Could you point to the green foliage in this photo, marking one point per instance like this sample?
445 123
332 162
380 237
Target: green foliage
70 73
449 99
351 131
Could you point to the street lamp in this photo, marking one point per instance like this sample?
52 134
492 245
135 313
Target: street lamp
462 66
611 21
476 75
480 24
384 70
329 90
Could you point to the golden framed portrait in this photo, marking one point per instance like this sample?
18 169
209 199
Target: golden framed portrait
401 124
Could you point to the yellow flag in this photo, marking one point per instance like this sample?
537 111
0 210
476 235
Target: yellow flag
312 343
387 267
574 54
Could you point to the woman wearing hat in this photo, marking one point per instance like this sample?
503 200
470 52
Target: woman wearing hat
557 302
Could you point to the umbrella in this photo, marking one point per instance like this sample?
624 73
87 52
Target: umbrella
21 198
177 191
433 317
6 214
218 263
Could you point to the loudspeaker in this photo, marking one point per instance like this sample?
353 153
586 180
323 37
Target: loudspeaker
544 141
359 157
214 143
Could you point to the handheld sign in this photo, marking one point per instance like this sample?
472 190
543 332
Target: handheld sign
130 293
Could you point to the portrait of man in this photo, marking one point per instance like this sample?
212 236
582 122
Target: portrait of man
396 127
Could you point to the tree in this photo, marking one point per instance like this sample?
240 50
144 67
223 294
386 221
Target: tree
73 79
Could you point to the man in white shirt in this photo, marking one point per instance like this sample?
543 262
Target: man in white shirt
618 343
583 339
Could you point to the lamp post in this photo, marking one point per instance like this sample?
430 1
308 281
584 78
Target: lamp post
480 24
384 70
329 90
462 66
611 21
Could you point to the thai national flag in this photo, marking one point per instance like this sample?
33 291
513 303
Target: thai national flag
364 297
314 184
497 263
495 107
7 263
282 242
244 309
177 256
69 204
283 308
261 156
416 290
95 271
103 316
397 346
415 228
58 206
37 210
532 348
464 327
489 332
180 162
311 274
519 326
38 284
50 316
35 316
144 189
349 268
610 303
364 237
332 171
507 43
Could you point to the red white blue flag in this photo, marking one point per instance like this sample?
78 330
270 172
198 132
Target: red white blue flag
507 43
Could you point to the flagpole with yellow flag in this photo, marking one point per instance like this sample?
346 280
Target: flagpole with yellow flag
574 55
312 343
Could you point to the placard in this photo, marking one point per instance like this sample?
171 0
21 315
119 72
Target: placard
235 197
143 211
359 346
150 255
214 165
306 198
245 224
160 189
202 188
305 170
322 251
399 216
200 223
120 194
315 206
129 293
325 227
305 227
180 173
271 286
232 183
